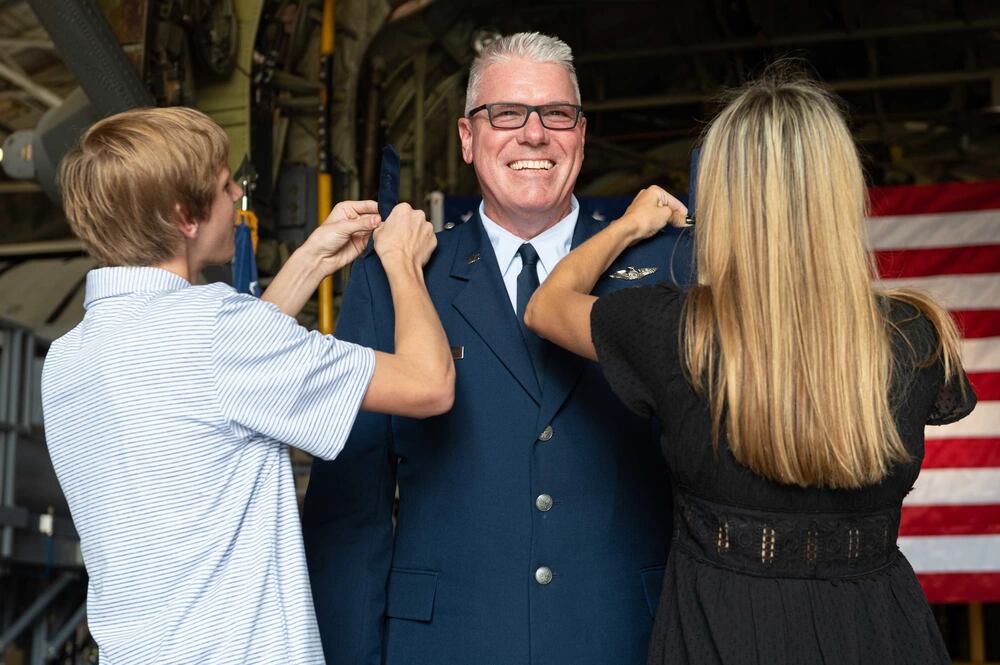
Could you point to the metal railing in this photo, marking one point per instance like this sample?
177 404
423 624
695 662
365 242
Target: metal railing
42 581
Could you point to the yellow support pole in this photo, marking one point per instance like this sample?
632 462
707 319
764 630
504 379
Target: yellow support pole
977 636
324 184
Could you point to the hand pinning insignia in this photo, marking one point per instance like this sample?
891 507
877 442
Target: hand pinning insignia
631 273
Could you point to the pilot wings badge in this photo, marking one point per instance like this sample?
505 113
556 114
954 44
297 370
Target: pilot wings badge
630 273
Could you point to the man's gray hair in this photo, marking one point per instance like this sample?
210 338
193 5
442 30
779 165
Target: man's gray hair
530 46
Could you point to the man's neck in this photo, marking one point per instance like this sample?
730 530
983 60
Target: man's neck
180 266
527 226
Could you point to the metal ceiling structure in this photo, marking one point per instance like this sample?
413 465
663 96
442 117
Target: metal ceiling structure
921 80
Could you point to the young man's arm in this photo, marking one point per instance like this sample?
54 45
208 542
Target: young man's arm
422 358
341 239
418 379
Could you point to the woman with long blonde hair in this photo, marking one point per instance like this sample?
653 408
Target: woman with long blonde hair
792 392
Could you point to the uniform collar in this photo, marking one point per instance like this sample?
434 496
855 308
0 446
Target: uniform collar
122 280
552 244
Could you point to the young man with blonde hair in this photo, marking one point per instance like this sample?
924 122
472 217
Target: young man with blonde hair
169 408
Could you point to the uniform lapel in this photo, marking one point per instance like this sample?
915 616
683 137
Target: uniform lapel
485 305
562 368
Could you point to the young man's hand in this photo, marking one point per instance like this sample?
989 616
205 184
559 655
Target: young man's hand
344 234
406 236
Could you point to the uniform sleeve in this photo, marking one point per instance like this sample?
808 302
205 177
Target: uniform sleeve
634 331
277 379
347 514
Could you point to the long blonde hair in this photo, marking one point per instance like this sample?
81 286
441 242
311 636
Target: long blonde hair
784 332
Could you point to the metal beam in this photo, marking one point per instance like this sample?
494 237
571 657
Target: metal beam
930 80
26 42
19 187
36 609
792 40
369 187
39 92
848 85
627 153
419 126
64 633
14 350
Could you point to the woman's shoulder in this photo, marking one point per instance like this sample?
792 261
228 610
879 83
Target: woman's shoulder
910 326
661 293
652 302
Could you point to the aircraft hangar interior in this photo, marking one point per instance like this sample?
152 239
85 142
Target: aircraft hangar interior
310 92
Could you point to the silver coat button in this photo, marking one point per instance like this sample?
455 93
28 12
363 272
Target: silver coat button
546 433
543 575
543 503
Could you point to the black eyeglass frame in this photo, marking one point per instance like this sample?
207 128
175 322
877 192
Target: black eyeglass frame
530 109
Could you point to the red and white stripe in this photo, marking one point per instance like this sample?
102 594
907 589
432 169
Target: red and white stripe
945 239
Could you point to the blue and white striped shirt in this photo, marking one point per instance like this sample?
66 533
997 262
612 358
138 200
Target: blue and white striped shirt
167 414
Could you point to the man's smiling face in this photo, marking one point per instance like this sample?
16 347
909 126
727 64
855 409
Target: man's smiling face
527 175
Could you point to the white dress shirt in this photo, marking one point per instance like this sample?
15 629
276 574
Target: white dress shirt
552 245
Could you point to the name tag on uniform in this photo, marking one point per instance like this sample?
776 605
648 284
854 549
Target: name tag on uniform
457 352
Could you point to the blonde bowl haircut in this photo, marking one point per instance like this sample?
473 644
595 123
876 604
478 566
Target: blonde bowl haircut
132 173
784 332
530 46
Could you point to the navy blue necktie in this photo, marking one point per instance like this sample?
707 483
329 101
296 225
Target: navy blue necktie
527 282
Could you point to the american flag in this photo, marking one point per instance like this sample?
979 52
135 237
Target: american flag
945 239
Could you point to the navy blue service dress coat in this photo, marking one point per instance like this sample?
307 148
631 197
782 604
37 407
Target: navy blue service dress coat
534 522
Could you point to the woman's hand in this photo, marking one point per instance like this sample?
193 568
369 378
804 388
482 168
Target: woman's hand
406 236
652 209
344 234
560 309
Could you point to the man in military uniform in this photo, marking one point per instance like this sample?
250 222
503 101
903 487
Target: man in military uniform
534 518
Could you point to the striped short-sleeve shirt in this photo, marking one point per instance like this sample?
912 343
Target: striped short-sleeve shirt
168 411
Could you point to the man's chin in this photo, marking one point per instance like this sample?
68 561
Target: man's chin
539 204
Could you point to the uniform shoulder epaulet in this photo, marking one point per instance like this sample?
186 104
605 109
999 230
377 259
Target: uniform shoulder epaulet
600 217
463 218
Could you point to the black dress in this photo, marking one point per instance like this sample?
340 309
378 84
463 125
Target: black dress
761 572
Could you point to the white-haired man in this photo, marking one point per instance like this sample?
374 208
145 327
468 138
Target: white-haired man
533 522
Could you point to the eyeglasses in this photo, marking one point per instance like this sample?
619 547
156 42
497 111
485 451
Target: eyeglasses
504 115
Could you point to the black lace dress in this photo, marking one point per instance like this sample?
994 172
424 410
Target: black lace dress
761 572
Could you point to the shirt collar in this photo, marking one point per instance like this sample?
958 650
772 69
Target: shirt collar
552 244
121 280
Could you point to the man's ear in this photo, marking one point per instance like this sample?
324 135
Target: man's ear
465 135
185 223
